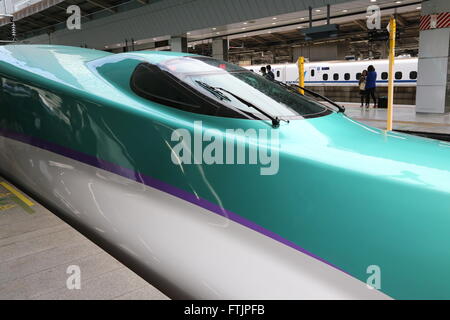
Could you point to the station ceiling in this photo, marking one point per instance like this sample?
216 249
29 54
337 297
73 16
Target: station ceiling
50 18
340 13
256 34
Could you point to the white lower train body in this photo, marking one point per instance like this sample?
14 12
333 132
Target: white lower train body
184 250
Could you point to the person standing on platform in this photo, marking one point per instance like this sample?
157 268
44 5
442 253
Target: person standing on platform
362 87
270 75
263 72
371 84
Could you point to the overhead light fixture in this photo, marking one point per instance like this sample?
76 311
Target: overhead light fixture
274 23
217 32
318 10
274 18
418 8
214 28
245 22
188 33
299 27
269 31
398 2
373 0
243 28
345 10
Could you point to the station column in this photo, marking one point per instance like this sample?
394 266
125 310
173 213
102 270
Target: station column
220 49
433 82
178 44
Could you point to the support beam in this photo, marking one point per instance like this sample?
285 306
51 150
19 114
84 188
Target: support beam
433 83
310 16
102 5
278 36
361 23
220 49
61 7
35 22
52 17
400 20
178 44
258 39
328 13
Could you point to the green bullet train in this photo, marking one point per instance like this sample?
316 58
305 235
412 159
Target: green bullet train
212 182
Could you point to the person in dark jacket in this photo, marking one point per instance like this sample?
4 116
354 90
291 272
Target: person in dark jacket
371 84
270 76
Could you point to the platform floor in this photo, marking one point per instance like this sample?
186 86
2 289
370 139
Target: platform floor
405 118
36 248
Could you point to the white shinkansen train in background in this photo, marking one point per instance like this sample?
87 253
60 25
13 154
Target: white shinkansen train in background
346 73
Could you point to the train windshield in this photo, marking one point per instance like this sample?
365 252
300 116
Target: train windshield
231 84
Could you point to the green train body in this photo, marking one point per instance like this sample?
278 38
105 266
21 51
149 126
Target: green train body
343 199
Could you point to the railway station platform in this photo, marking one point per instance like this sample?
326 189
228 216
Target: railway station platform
37 249
405 119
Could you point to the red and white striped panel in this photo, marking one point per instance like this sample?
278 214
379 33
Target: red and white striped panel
435 21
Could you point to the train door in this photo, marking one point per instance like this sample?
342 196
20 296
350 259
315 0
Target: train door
313 74
280 73
291 74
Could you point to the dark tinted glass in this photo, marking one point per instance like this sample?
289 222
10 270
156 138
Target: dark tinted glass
413 75
358 75
336 76
384 76
398 75
347 76
325 76
152 83
203 85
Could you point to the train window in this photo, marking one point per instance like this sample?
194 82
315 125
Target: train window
413 75
278 73
398 75
222 91
312 72
152 83
384 76
347 76
325 76
336 76
358 75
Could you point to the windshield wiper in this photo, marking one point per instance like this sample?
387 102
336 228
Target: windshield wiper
317 95
215 90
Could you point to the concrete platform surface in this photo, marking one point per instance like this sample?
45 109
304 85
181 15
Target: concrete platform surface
37 250
405 118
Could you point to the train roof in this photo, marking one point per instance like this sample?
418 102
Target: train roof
69 66
42 54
